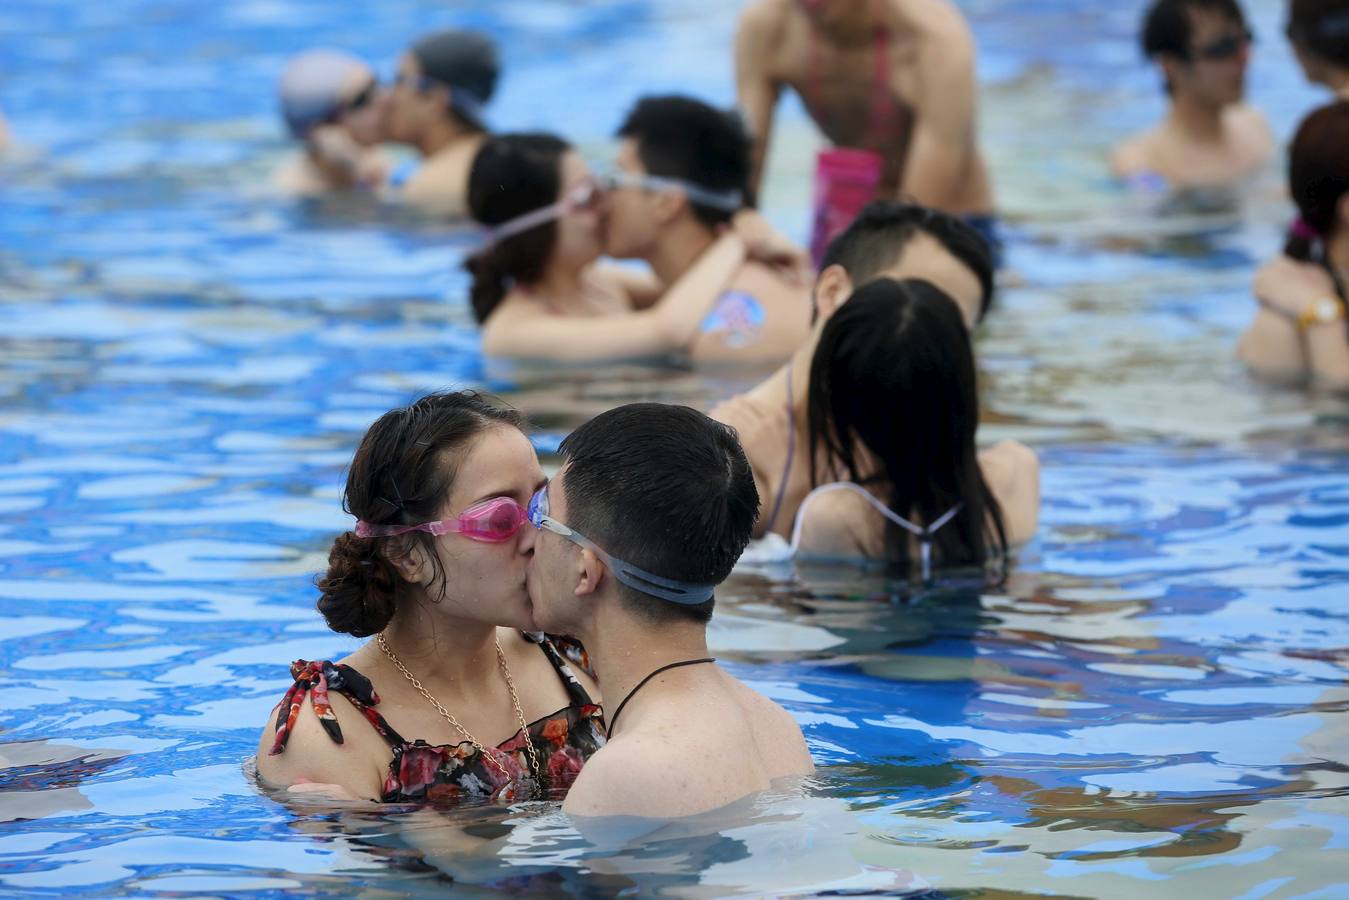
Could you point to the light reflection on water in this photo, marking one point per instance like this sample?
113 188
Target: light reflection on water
1156 697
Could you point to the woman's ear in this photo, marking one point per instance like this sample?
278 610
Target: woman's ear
408 559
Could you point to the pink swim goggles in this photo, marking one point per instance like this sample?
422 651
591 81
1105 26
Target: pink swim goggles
491 521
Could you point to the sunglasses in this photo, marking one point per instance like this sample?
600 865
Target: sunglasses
491 521
682 592
1227 47
586 195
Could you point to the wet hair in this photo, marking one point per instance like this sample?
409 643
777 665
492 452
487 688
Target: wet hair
664 488
1166 25
1318 176
893 374
512 174
879 234
1321 26
401 474
679 137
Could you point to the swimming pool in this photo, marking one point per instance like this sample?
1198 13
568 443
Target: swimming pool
1156 701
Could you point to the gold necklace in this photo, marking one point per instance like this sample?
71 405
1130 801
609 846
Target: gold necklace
449 717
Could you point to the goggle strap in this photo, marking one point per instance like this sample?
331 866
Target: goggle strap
520 224
681 592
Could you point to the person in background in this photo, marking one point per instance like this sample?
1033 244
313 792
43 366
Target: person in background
329 103
4 133
1300 327
785 439
1319 33
890 83
1210 136
682 177
473 701
437 106
538 290
649 512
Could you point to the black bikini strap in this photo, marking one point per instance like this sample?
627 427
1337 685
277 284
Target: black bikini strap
613 722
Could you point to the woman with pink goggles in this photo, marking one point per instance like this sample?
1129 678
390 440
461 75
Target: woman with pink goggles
472 701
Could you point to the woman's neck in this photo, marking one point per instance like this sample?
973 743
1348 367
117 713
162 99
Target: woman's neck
439 649
562 289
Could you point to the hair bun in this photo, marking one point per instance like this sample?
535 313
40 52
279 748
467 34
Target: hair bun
358 590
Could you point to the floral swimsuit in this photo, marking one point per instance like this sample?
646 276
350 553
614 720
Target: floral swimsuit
448 773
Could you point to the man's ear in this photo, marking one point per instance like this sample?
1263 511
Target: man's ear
669 204
831 289
589 572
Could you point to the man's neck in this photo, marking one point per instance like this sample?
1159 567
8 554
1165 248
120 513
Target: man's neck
853 28
1338 81
625 651
1196 120
678 248
439 650
438 136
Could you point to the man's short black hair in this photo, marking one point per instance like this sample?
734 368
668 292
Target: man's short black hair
1166 26
879 234
666 489
679 137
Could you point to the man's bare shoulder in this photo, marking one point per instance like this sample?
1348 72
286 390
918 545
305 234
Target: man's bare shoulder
1134 156
634 777
763 18
938 20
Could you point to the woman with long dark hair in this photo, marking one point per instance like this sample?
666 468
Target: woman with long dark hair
881 457
891 414
471 700
1300 329
538 289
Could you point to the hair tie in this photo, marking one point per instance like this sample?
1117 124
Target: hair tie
1305 230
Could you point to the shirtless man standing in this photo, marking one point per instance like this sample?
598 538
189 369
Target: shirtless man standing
891 80
1209 137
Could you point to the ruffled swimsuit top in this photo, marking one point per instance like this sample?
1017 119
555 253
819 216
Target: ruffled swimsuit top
449 773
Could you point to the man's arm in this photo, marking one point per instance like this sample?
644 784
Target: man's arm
756 90
942 150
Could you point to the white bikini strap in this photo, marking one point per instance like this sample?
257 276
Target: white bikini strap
924 535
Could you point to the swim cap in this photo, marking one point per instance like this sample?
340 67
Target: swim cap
465 62
311 87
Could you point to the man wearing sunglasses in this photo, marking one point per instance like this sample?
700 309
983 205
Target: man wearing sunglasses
1210 136
328 100
649 512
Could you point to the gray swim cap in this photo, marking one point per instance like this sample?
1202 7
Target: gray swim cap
466 62
311 87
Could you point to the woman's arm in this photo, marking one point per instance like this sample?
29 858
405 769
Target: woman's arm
516 330
311 756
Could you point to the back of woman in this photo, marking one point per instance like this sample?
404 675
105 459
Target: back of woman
893 411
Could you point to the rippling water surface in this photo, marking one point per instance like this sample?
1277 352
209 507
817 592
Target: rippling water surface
1155 702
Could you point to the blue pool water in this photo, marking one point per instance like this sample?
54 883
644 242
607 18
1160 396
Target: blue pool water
1154 702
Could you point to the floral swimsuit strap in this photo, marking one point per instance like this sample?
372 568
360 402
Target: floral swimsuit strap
315 680
561 651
